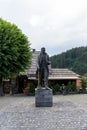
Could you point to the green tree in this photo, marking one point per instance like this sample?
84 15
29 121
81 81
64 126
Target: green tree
15 51
74 59
84 83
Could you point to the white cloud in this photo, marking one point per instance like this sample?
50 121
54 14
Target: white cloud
35 20
55 24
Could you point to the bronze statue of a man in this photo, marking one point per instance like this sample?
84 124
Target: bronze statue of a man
43 70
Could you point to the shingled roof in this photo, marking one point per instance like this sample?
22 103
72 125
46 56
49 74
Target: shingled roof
54 73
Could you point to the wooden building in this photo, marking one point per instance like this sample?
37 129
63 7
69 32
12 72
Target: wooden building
56 75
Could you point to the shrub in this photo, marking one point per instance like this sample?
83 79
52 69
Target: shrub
31 88
73 86
84 83
56 87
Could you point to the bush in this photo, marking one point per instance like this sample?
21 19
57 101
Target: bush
84 83
50 84
56 87
73 86
31 88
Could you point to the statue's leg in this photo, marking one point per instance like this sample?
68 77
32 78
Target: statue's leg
46 78
41 78
39 84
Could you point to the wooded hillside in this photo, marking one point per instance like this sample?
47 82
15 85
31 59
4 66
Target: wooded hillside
75 59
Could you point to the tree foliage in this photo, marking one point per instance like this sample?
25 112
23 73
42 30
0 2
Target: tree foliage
74 59
15 51
84 83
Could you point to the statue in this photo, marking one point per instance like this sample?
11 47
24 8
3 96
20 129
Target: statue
42 69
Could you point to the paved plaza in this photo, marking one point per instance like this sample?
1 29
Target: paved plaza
18 112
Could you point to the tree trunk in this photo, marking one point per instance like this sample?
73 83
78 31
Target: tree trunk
1 87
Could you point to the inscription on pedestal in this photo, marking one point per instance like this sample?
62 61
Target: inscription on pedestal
43 97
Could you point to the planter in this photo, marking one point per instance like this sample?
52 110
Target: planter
26 90
6 90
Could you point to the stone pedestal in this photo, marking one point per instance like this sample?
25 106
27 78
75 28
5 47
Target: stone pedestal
43 97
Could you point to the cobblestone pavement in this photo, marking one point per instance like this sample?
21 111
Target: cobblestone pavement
19 113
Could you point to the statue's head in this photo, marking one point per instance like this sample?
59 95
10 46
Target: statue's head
43 49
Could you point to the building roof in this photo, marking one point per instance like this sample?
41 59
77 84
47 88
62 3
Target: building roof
61 73
54 73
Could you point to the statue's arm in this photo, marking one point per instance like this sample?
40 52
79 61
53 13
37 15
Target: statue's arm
38 62
48 60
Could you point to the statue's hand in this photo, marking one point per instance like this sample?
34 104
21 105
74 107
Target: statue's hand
49 62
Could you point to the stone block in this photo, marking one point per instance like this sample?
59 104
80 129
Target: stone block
43 97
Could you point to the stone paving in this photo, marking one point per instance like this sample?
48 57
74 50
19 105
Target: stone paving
19 113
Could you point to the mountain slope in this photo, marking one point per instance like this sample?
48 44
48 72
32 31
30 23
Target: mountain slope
74 59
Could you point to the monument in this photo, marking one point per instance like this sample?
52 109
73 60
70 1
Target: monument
43 94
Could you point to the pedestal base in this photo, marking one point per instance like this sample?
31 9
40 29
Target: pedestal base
43 97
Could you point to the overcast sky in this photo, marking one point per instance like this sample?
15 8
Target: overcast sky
58 25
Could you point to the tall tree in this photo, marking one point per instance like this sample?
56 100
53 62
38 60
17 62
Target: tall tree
74 59
15 51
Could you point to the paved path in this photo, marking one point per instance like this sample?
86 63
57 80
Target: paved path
19 113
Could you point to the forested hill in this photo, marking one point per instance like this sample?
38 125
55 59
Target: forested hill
74 59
